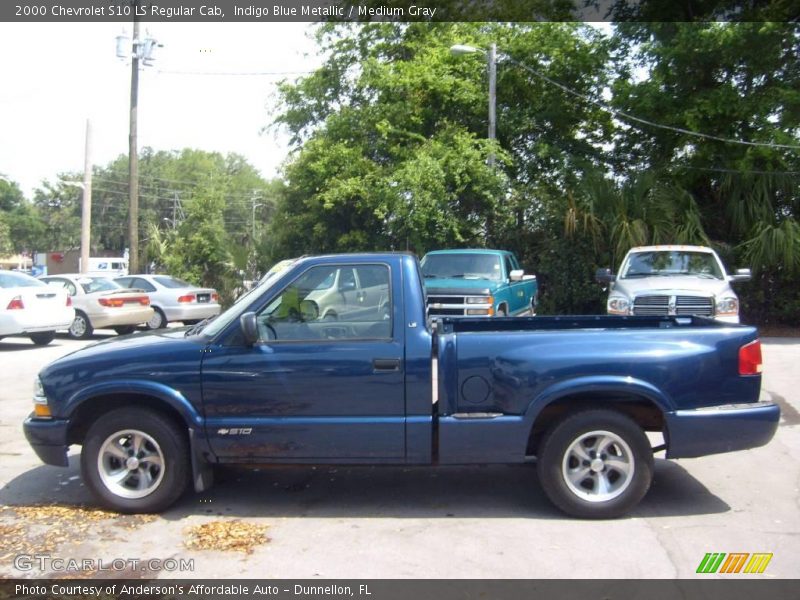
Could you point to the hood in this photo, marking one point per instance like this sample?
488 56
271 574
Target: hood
473 286
689 285
152 355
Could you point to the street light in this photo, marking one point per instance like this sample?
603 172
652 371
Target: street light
491 63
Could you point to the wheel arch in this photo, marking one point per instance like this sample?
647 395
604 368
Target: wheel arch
90 404
640 401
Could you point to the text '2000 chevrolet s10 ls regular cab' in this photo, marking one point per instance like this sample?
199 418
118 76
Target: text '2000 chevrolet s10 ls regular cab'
273 380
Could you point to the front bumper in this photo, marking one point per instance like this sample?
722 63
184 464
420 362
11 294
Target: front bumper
718 429
48 438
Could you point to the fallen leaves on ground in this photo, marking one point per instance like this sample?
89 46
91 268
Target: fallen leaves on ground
232 535
42 528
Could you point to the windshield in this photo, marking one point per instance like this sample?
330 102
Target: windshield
98 284
671 262
172 282
236 309
461 266
12 280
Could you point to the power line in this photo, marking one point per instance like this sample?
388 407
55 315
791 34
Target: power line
236 73
624 115
737 171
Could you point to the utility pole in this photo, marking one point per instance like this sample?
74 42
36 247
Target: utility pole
133 153
86 205
491 57
254 197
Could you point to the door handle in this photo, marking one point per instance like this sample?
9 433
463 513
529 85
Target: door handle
386 364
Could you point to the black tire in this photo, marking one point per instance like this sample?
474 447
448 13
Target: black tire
585 496
42 338
159 437
158 320
125 329
81 327
501 311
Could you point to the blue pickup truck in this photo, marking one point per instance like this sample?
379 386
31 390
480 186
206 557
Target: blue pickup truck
270 381
486 283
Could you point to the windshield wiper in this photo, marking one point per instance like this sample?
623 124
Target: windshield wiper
198 327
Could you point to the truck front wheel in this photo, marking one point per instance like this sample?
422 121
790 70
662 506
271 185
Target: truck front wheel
135 460
595 464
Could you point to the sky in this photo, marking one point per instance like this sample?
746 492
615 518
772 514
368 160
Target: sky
55 76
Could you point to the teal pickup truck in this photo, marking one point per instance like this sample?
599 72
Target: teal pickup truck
477 283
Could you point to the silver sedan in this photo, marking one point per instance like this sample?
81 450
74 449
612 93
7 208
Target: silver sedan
173 299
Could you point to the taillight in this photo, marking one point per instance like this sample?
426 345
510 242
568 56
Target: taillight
113 302
187 298
144 301
750 358
15 304
215 297
69 300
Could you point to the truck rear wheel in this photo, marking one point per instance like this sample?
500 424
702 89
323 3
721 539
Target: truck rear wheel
595 464
135 461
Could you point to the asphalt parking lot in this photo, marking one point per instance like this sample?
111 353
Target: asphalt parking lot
395 522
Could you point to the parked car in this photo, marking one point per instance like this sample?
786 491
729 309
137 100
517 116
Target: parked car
156 413
173 299
101 303
481 283
673 280
29 307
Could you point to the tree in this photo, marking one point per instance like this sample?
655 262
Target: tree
392 149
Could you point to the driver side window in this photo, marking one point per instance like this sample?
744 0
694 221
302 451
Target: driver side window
327 303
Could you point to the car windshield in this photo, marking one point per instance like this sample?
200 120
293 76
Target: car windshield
98 284
12 280
222 321
461 266
171 282
671 262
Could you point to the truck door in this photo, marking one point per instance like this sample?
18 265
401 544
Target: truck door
516 288
312 388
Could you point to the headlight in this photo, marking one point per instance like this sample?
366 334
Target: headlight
40 407
618 305
728 306
480 300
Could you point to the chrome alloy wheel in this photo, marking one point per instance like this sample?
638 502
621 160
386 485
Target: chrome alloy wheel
78 327
130 464
598 466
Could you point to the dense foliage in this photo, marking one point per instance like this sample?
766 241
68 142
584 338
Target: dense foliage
647 133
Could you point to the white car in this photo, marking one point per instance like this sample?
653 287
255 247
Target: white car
30 307
101 303
173 299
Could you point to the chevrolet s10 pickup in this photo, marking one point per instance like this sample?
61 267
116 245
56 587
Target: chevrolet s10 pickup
273 380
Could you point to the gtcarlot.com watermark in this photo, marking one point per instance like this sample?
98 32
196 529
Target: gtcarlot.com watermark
55 564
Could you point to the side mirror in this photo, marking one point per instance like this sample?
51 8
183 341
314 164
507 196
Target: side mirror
740 276
604 276
249 327
516 275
